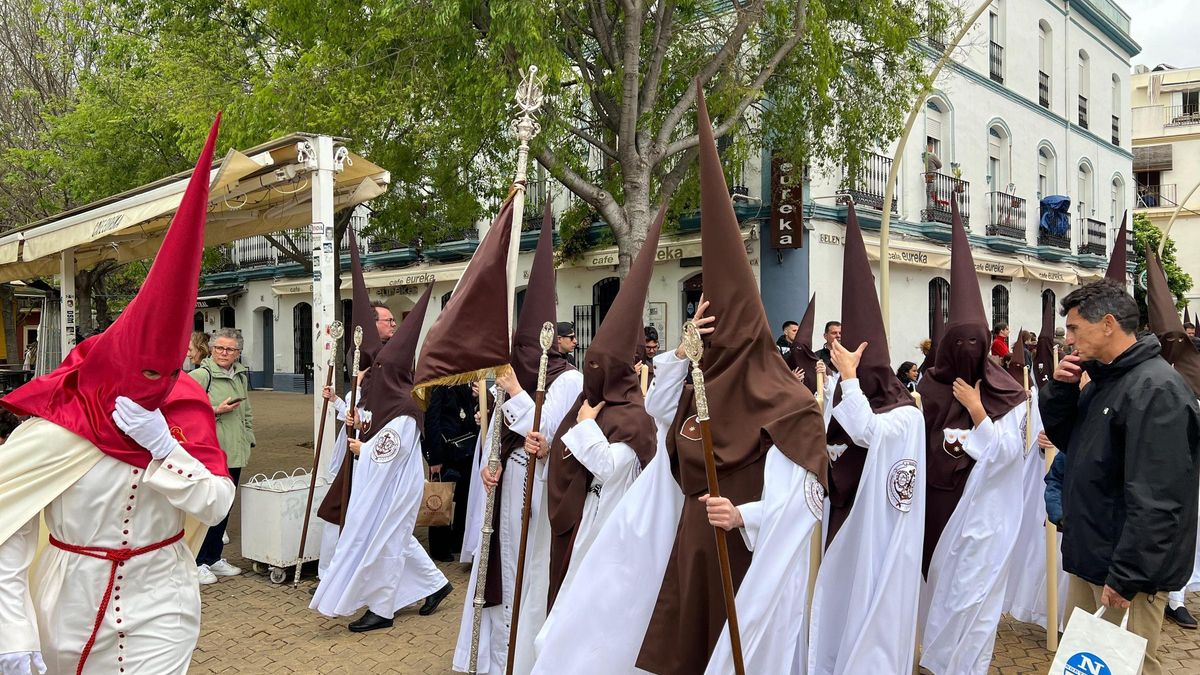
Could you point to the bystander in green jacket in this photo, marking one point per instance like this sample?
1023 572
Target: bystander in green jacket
235 428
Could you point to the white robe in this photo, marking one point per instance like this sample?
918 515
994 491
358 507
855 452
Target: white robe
494 624
330 531
1025 594
378 562
608 606
964 594
864 609
614 467
153 619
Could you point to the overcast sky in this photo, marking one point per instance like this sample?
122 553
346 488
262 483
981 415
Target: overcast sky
1167 30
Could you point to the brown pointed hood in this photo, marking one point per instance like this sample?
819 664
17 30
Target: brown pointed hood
469 340
608 377
361 311
1043 358
388 392
1119 262
801 355
862 321
1177 347
151 333
961 353
1016 364
754 401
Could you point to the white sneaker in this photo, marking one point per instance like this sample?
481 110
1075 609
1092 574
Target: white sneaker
222 568
205 574
225 538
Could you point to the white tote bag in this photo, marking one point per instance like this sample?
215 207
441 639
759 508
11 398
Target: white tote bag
1093 646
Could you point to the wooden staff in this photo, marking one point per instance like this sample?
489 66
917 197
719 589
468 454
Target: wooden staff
539 399
645 377
485 534
347 470
335 331
1051 558
816 550
693 347
481 386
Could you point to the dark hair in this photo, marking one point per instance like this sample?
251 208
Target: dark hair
786 324
651 333
1190 325
1100 298
831 324
8 422
902 371
999 328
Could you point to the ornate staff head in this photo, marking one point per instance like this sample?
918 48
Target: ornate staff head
545 340
693 348
358 338
336 331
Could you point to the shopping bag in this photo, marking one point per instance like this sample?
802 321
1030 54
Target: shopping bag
437 505
1093 646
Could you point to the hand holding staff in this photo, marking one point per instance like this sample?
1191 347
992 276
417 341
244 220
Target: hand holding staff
346 472
693 348
545 339
335 331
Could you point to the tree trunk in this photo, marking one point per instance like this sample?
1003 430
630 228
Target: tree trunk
8 314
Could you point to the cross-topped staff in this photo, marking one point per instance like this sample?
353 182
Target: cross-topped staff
693 348
539 398
336 331
529 100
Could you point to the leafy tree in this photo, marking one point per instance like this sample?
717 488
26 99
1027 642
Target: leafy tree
1147 235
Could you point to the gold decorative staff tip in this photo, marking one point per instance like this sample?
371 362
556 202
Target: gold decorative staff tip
358 336
336 330
547 336
693 344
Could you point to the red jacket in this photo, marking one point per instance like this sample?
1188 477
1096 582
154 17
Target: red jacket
999 346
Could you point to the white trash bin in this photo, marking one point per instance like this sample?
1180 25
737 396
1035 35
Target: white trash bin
272 516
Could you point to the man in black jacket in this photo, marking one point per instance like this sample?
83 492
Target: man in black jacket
450 435
1131 437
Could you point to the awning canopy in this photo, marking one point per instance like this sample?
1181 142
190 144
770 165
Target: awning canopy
215 296
261 190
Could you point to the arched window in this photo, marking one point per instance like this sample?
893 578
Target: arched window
301 336
1085 76
1117 199
1045 63
603 294
999 170
1116 110
198 322
996 41
939 300
520 299
1047 171
1048 301
446 298
1085 206
228 318
693 286
937 136
999 305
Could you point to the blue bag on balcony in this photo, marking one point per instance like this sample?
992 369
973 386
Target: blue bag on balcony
1055 215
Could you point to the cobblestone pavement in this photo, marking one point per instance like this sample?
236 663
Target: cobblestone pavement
253 626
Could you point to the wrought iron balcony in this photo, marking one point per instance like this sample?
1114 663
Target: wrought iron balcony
939 190
996 62
1154 196
868 182
1116 130
1182 115
1093 232
536 194
1043 90
1006 216
1062 241
1083 111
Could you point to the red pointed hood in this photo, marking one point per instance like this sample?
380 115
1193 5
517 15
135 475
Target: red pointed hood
361 312
1119 262
151 334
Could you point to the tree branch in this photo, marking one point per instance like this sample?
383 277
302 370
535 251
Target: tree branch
602 26
631 60
596 197
593 141
664 22
670 182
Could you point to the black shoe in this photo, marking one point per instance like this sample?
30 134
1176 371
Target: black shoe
1181 617
432 602
370 621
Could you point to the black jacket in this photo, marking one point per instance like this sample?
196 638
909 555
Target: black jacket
1129 494
451 413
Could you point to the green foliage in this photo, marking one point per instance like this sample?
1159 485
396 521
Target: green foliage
1146 235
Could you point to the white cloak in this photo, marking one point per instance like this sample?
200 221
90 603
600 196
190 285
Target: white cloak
494 624
1025 594
964 595
614 467
607 608
378 563
330 531
153 619
864 608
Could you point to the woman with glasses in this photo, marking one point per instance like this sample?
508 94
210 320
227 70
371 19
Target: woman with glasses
227 382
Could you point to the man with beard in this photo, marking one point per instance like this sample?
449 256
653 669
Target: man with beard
974 449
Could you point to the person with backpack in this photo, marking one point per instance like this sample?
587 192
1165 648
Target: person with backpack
227 382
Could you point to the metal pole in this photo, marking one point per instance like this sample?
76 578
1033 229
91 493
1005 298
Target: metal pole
318 156
889 190
66 316
1178 207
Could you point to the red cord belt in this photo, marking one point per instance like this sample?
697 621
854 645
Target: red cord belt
115 556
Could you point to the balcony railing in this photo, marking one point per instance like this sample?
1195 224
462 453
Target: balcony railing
536 194
996 61
1153 196
939 190
869 181
1062 241
1181 115
1093 233
1083 112
1116 130
1006 216
1043 89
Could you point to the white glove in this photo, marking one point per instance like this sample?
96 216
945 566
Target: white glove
22 663
147 427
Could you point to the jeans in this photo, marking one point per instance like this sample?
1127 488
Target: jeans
210 550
